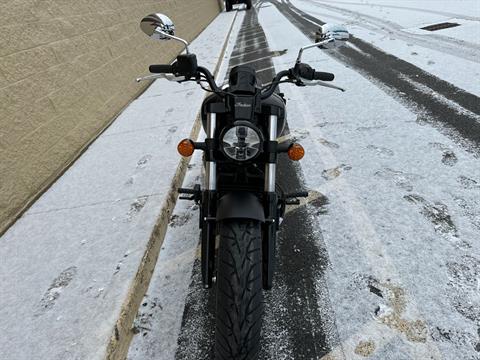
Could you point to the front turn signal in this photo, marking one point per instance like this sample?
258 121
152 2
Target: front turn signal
296 152
186 147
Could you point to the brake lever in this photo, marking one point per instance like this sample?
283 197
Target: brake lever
321 83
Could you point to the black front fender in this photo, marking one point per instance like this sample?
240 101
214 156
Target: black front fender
240 205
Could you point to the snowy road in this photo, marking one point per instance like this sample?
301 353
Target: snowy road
384 260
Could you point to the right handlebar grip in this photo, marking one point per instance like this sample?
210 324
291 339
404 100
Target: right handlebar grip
324 76
161 69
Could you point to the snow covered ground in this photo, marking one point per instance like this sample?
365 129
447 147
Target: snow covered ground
452 54
398 221
402 224
160 317
400 214
68 264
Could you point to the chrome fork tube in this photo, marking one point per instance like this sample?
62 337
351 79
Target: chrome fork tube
209 205
211 166
270 226
270 169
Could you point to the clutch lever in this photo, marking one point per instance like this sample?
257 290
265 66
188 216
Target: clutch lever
169 77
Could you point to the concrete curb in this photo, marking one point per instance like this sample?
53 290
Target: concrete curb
122 333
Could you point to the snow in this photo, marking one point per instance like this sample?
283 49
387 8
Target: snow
165 298
160 314
451 54
68 263
159 318
397 217
409 12
400 226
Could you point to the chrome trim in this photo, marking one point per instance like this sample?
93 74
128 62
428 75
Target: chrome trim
270 178
271 169
211 172
183 41
300 53
211 166
272 127
211 124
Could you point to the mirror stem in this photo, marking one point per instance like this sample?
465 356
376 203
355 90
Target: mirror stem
185 42
299 58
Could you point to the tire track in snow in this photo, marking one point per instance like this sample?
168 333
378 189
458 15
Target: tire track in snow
429 11
455 47
397 76
387 326
387 273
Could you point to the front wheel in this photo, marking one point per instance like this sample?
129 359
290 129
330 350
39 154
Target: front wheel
249 4
239 290
228 6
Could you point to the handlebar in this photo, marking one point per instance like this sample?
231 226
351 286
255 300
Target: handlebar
306 72
210 79
324 76
174 69
162 69
300 71
271 89
295 75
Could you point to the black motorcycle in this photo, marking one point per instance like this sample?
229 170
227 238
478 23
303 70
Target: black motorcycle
241 203
229 4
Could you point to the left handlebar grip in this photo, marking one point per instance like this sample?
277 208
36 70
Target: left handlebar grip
162 69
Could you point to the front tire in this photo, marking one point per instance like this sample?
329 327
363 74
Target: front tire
239 290
228 6
249 4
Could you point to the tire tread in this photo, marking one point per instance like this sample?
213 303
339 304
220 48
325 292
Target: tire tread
239 291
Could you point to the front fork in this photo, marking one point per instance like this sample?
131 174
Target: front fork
208 205
208 201
270 226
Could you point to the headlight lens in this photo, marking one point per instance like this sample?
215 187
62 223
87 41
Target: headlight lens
241 143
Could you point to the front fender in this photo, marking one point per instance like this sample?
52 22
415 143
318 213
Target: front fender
240 205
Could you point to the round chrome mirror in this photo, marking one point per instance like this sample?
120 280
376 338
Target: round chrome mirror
339 33
155 24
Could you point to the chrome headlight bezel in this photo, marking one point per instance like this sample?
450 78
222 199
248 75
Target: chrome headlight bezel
251 127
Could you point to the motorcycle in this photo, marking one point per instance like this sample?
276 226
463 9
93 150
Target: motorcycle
241 204
229 4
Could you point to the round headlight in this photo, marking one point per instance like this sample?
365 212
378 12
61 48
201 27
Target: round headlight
241 143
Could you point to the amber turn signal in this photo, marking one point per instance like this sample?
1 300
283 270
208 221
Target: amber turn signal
296 152
186 147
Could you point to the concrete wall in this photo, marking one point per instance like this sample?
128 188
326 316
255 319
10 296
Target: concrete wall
67 67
